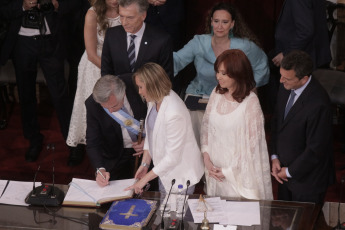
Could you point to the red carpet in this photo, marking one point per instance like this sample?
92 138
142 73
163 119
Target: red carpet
13 146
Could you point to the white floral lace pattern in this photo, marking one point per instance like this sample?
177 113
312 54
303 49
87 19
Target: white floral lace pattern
233 135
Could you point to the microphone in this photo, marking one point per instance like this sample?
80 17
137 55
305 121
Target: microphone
162 222
33 186
185 196
340 226
45 195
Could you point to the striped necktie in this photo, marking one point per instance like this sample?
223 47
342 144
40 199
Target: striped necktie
131 53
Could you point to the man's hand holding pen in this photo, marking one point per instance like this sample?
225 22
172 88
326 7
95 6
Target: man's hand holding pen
102 177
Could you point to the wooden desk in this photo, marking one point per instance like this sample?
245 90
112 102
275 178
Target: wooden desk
303 216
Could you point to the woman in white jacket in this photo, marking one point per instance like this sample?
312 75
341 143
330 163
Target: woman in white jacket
169 142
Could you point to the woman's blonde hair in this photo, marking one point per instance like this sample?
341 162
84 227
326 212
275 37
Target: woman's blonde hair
155 79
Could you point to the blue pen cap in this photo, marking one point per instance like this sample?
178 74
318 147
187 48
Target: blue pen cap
180 186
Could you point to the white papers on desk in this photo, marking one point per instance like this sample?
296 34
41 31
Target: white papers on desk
242 213
213 217
227 212
16 192
2 185
224 227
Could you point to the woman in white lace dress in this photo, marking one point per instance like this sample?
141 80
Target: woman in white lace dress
232 136
102 15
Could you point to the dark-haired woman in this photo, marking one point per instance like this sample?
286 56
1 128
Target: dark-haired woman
232 135
225 30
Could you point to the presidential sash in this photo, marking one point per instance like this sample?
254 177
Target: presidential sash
125 120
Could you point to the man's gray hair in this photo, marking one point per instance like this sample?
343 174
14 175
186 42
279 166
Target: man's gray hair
106 86
143 4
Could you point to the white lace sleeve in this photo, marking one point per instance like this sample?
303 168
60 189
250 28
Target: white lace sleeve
204 124
258 147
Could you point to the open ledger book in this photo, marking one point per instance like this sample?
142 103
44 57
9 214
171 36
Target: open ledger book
83 192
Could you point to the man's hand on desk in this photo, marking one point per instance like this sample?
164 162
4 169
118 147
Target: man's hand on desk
138 148
102 177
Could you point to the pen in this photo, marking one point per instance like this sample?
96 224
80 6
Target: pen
5 188
98 171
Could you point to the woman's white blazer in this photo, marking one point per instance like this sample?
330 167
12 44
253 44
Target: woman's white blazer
174 151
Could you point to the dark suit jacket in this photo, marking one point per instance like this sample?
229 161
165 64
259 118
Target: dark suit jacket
13 11
169 17
302 25
104 136
170 13
155 47
303 141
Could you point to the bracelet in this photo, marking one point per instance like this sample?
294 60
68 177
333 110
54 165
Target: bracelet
145 165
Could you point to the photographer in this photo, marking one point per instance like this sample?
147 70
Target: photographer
34 37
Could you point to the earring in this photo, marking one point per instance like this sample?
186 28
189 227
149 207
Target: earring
231 33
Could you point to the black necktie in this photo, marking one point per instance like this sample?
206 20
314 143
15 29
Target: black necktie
131 53
290 102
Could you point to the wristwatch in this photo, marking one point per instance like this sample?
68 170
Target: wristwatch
145 165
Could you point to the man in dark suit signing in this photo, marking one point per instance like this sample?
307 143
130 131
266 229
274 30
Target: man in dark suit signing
301 142
127 47
110 146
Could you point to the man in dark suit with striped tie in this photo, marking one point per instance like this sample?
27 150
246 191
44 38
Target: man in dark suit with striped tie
301 141
127 47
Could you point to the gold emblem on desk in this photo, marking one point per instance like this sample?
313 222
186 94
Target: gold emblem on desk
129 213
128 122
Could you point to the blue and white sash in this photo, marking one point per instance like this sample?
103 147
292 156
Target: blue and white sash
125 120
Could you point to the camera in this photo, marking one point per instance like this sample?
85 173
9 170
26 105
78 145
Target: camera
33 18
